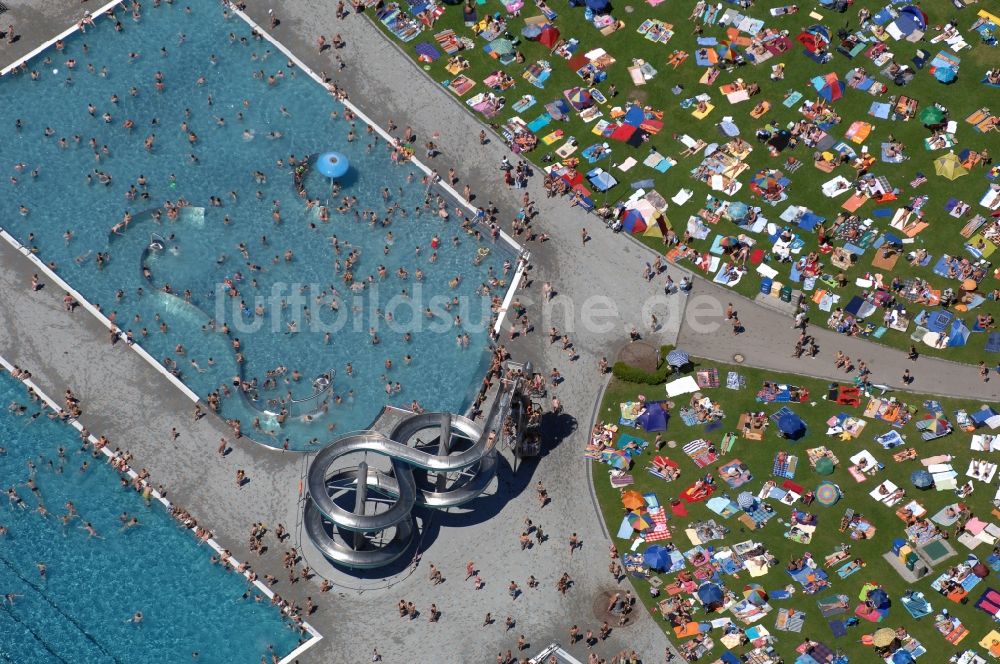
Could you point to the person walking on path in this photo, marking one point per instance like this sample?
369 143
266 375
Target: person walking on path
984 371
543 494
574 543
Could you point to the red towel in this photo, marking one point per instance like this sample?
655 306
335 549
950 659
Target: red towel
792 486
677 508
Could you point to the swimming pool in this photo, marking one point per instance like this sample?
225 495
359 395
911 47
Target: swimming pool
81 610
247 255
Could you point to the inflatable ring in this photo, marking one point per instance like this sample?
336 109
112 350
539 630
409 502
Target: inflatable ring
483 252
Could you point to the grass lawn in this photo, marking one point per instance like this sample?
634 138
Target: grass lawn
664 94
827 537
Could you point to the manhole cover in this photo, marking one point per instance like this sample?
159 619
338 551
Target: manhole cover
738 358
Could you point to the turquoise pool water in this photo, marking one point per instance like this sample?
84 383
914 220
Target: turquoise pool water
231 114
80 612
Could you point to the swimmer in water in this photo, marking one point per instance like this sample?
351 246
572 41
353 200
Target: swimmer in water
136 618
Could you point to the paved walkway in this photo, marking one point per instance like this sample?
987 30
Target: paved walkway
37 21
601 296
610 265
769 341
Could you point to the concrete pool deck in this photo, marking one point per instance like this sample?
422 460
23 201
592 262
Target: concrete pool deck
136 407
126 399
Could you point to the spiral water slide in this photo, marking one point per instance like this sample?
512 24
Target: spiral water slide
475 467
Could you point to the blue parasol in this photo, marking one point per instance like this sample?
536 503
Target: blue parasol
677 358
656 557
332 164
922 479
945 74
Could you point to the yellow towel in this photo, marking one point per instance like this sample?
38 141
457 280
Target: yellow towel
702 114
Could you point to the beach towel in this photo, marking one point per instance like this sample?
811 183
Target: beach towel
790 620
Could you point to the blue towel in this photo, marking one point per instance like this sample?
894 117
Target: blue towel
838 627
879 110
539 122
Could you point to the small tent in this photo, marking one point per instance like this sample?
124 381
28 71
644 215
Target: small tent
791 426
599 7
815 38
548 37
949 166
711 595
653 417
829 87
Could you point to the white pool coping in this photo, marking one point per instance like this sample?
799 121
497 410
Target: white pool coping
523 255
315 636
62 35
521 252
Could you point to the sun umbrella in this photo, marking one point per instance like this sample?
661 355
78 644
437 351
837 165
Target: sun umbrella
949 166
502 46
726 51
931 115
934 424
599 6
879 598
755 594
603 180
580 98
791 426
656 557
829 87
618 459
883 637
677 358
633 500
633 222
640 520
824 466
710 594
945 74
737 210
922 479
746 500
332 164
827 494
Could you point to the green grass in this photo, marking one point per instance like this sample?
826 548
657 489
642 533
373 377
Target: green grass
759 457
625 45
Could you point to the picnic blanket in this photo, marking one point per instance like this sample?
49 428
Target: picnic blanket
735 473
790 620
833 605
701 452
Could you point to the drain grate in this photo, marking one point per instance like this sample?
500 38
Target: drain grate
3 8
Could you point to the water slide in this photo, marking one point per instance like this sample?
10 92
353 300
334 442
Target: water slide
476 467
